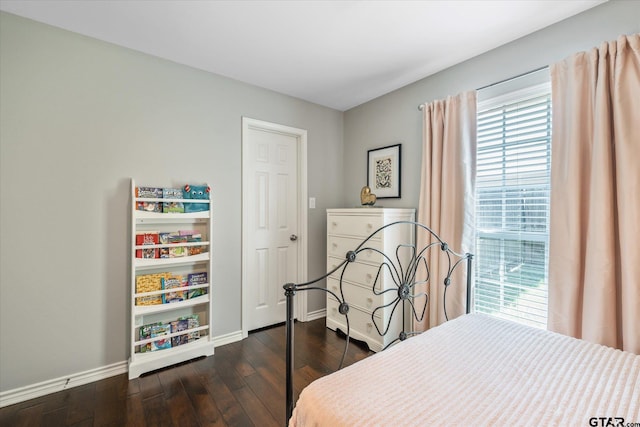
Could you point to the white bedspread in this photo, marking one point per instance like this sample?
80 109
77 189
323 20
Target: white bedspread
477 370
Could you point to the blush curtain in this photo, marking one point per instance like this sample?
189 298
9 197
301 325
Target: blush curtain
447 194
594 255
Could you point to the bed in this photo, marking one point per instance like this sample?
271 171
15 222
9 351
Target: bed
471 370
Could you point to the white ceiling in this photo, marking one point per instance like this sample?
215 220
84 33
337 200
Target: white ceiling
334 53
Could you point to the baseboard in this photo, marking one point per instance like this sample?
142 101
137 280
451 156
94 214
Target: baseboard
227 338
32 391
318 314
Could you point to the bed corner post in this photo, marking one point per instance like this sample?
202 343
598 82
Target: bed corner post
469 272
289 292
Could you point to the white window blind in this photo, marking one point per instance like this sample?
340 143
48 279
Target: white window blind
512 205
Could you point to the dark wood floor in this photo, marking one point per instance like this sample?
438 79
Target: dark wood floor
241 385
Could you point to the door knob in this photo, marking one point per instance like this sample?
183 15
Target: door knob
293 237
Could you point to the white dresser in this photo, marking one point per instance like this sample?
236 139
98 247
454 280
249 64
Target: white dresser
346 229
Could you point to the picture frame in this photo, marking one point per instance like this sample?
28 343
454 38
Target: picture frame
384 171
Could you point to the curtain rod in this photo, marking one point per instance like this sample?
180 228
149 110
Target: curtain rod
421 106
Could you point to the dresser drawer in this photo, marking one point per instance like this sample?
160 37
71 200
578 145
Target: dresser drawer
356 272
359 296
360 322
353 225
339 246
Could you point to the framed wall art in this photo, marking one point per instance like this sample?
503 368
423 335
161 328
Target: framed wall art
383 171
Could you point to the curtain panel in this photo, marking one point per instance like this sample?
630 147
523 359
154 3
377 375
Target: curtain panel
447 194
594 255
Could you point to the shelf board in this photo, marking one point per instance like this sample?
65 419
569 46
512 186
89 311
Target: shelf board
171 335
155 217
142 263
160 200
141 310
170 245
140 363
166 291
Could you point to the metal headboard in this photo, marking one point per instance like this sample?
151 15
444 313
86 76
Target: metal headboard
402 269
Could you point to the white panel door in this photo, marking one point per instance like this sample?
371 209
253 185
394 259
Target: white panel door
271 226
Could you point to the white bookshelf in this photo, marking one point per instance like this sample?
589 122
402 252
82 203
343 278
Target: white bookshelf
141 315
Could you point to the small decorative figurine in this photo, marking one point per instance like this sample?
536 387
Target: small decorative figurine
367 198
196 192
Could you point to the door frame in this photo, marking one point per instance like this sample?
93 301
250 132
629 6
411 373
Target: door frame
300 306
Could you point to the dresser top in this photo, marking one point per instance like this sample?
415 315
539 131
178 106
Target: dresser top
365 210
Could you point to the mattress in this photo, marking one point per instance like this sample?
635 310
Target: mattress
477 370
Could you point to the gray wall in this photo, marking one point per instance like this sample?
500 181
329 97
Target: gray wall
79 118
394 118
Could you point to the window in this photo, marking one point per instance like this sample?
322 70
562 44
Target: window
512 205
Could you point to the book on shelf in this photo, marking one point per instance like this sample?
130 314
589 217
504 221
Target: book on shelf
143 334
194 279
178 252
158 330
170 282
195 250
149 283
167 238
177 238
154 330
179 326
199 278
198 292
149 206
149 193
147 238
172 193
191 235
193 322
164 237
174 206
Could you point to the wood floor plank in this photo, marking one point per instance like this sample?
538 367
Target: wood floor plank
110 401
155 412
56 417
232 411
179 405
134 412
242 384
81 404
255 409
29 416
204 405
149 386
272 398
